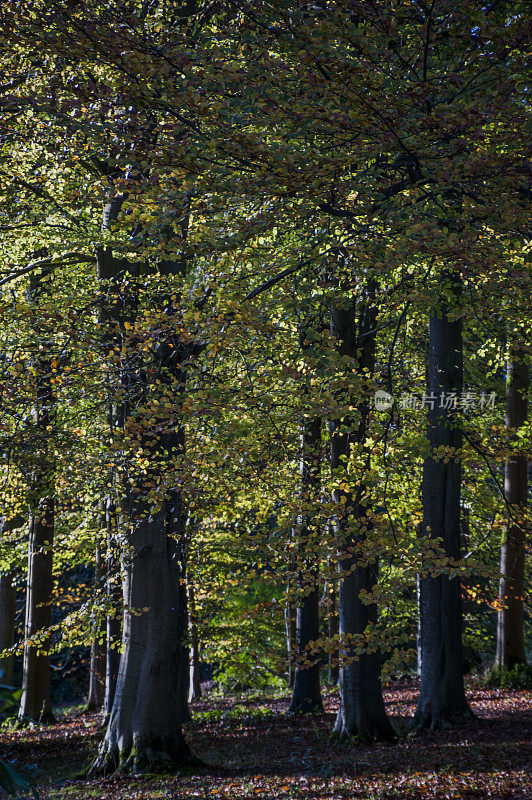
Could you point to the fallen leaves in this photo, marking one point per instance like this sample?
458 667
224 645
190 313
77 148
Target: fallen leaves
258 751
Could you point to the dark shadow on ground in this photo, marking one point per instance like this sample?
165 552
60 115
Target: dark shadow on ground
257 749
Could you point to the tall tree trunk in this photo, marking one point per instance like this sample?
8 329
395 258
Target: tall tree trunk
419 611
332 621
362 712
97 667
419 635
442 697
290 629
115 311
113 621
35 701
184 663
144 729
194 681
510 635
7 625
306 695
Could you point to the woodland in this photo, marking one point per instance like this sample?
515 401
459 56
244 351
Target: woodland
265 335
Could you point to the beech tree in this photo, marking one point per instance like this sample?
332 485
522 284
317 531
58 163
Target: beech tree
510 634
442 696
143 726
98 656
7 625
194 677
362 711
144 723
35 701
113 619
306 696
375 154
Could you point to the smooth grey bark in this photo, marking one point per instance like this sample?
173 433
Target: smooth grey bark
442 697
144 729
35 701
7 625
306 695
97 665
510 633
362 712
194 680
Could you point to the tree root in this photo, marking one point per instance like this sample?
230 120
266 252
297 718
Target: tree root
306 707
367 735
145 760
436 721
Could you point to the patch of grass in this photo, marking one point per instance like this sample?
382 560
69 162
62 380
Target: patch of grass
235 712
74 710
518 677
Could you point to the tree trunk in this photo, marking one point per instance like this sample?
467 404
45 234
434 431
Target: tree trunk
306 695
510 635
185 714
35 701
113 622
442 697
419 612
113 313
332 622
194 681
184 663
419 636
144 730
97 670
362 712
290 628
7 626
97 667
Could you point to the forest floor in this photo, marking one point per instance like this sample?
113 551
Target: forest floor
260 751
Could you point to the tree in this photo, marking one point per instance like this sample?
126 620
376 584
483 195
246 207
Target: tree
306 696
98 656
7 625
332 620
194 678
299 131
442 696
510 636
35 701
362 711
113 620
143 728
184 637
